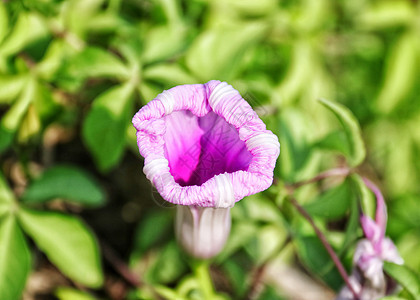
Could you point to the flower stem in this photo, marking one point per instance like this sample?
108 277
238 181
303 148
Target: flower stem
201 270
329 173
327 246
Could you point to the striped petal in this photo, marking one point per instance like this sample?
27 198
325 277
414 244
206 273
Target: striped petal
204 145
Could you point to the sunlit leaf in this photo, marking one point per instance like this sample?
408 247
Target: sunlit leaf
163 41
297 74
10 87
357 151
44 103
52 60
10 121
386 14
148 90
67 242
312 15
105 125
169 74
29 126
19 37
15 262
78 13
66 293
399 74
6 195
249 7
404 276
4 21
66 182
219 51
97 62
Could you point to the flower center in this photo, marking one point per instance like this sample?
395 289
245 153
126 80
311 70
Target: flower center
199 148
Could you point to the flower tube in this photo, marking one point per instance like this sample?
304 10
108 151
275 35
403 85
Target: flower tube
204 147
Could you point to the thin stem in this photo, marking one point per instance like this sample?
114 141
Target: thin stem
329 173
327 246
201 270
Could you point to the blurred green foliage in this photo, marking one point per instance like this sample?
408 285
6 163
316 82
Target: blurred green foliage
73 73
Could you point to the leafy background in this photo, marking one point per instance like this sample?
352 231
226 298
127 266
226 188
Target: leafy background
75 207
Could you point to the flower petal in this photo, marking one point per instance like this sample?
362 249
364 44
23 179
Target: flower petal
249 174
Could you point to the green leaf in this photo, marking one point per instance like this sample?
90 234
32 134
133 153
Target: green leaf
67 182
168 267
234 269
11 120
52 60
219 52
357 151
335 141
404 276
241 233
105 125
367 198
6 195
44 102
163 41
316 258
19 37
386 14
10 87
250 7
400 72
15 262
297 76
296 153
271 292
148 234
353 225
4 21
66 293
169 74
78 13
30 125
266 242
97 62
67 242
332 204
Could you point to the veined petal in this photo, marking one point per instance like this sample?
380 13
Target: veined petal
204 145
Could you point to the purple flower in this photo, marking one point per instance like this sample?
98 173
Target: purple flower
368 278
203 145
204 148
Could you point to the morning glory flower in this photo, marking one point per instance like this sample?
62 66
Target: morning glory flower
368 278
204 147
